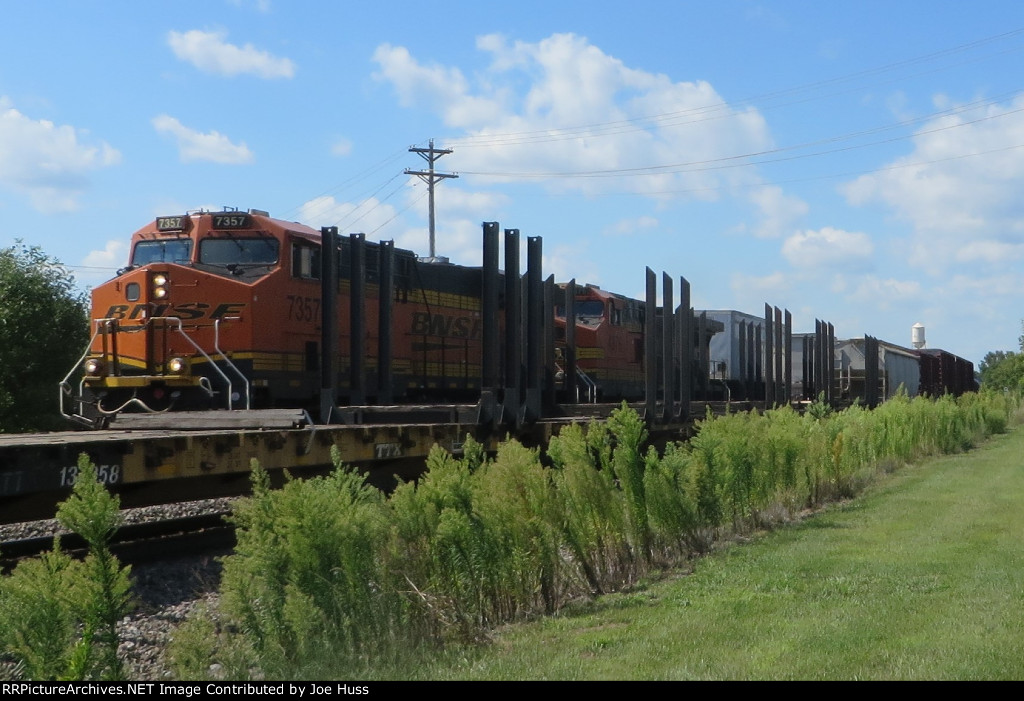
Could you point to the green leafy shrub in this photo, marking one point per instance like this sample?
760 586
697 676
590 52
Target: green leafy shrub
593 511
61 615
307 583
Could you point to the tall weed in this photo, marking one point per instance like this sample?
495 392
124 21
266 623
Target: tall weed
307 578
60 616
593 512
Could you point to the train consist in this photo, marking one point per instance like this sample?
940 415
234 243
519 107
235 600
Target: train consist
238 310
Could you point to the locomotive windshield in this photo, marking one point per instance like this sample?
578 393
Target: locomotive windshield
227 251
167 251
589 309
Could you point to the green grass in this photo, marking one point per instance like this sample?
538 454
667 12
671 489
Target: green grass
922 577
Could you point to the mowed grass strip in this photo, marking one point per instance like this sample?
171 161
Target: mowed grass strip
922 577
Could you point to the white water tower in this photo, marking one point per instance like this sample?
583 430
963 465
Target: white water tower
917 335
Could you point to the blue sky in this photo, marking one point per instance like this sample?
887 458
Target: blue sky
860 162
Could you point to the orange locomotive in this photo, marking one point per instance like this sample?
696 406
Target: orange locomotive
222 310
609 343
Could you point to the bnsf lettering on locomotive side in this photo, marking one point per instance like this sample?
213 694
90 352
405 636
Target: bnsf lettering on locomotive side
424 323
187 311
228 309
116 311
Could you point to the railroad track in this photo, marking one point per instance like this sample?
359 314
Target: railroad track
136 543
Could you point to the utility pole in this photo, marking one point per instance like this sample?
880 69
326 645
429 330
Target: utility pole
430 155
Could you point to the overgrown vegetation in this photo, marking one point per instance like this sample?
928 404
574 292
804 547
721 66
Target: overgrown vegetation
331 579
60 615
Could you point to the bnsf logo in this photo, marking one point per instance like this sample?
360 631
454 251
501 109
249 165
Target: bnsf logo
427 324
188 310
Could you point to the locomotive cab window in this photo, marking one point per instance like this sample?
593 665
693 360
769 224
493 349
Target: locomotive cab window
228 251
590 309
165 251
305 261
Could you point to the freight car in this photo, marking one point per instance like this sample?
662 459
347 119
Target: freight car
866 368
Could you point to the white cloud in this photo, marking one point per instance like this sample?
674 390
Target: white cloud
465 203
197 146
535 133
828 247
753 291
113 255
260 5
958 188
571 262
443 89
100 265
1006 286
47 161
341 147
457 239
883 294
778 211
990 251
459 216
210 53
628 227
365 217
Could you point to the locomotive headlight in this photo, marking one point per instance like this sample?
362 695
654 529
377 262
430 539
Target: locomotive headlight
160 283
93 366
176 366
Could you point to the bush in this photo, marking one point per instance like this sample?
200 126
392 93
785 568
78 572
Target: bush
61 616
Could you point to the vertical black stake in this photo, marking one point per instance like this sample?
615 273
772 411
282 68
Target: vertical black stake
830 360
328 322
489 308
650 347
668 354
548 319
572 387
385 328
534 326
780 352
513 327
685 349
758 376
488 413
743 357
769 359
357 319
787 382
703 354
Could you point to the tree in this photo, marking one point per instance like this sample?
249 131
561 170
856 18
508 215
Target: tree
1003 369
43 330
